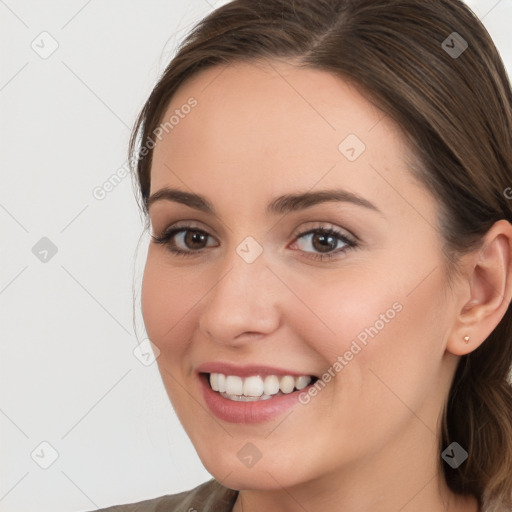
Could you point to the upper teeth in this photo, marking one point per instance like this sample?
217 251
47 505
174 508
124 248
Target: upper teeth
255 385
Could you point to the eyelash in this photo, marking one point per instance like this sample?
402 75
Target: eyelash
167 235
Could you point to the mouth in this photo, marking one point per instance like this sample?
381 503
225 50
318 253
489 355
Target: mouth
256 387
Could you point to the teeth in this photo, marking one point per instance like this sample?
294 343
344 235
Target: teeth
218 382
271 385
252 386
234 385
286 384
302 381
255 387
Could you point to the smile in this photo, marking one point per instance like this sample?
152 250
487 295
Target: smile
255 387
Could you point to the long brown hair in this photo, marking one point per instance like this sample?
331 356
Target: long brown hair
454 105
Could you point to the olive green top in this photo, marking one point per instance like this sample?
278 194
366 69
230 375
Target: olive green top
210 496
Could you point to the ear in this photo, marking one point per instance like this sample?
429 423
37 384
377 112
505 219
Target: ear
489 280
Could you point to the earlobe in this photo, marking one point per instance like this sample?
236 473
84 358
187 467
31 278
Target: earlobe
490 285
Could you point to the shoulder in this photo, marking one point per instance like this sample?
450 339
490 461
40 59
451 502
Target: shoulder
210 496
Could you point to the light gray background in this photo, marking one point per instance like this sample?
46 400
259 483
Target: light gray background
68 373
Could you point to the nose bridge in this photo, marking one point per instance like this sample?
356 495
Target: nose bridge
239 302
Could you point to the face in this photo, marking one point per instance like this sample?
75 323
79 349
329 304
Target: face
348 291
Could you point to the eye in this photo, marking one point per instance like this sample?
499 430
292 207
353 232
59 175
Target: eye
185 240
324 240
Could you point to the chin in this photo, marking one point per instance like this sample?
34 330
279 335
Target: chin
249 480
265 475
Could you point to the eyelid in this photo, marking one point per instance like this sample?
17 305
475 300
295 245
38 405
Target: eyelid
301 230
192 225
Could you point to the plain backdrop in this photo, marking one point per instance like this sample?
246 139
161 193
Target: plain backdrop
85 421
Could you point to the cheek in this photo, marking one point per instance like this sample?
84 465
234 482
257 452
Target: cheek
167 304
166 300
379 319
388 333
400 362
353 306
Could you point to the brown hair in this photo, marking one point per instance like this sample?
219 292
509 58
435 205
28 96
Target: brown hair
456 113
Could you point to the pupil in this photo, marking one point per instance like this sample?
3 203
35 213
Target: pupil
325 241
194 237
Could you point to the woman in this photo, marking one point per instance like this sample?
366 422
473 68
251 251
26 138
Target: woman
328 187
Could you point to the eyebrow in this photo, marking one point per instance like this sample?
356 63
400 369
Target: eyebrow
280 205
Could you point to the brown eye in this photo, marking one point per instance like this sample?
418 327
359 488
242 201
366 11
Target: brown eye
323 240
185 241
194 239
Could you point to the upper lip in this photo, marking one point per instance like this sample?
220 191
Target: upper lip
247 370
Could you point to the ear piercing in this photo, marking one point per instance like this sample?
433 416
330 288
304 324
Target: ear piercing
466 339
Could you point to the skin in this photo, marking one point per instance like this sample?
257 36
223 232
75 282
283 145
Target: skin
370 439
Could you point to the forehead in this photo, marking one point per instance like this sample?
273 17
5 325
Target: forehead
269 127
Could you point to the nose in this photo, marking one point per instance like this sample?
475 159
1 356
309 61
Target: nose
243 303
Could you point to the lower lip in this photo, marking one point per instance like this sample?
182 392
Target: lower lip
247 412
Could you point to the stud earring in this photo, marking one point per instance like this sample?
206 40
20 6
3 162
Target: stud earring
466 339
